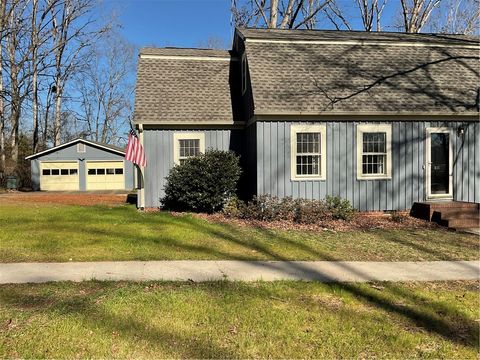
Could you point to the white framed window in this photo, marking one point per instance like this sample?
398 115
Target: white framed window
374 151
81 148
308 148
244 73
186 145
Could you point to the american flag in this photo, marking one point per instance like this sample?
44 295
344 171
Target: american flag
135 152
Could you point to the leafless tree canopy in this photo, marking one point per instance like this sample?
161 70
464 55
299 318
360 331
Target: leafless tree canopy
283 14
44 44
452 16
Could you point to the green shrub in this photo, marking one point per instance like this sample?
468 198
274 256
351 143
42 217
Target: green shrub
233 207
311 211
398 217
268 208
203 183
271 208
340 208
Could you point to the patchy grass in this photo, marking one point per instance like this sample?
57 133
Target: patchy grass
53 232
239 320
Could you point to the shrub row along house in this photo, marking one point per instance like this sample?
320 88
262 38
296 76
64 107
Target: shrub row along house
381 119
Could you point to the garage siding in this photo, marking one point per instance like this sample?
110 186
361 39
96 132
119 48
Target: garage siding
70 154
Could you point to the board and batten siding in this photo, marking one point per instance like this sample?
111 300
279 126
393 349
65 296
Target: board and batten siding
406 185
158 144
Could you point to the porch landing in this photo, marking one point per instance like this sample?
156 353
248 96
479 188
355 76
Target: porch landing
456 215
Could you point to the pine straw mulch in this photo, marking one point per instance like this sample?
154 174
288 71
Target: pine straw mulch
360 222
63 198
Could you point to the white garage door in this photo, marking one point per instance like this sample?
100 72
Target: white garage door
105 175
60 176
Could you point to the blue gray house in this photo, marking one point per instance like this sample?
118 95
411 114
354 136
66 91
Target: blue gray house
381 119
81 165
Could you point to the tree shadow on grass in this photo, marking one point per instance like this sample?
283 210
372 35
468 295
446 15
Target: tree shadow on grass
89 307
93 316
432 316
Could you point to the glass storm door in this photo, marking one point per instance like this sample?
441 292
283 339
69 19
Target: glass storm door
439 163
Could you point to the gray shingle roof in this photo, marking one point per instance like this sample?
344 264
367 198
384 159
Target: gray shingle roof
183 85
335 35
338 76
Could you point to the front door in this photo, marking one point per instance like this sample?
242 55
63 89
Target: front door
439 163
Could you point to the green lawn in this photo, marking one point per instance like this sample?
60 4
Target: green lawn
239 320
46 232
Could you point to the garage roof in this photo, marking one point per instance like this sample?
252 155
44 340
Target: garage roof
100 145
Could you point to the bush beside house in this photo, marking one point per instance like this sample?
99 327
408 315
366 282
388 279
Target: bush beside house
202 183
302 211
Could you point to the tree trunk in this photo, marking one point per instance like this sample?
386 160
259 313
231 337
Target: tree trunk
2 115
14 88
273 13
58 116
34 75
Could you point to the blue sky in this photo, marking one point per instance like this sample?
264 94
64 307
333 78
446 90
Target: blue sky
183 23
189 23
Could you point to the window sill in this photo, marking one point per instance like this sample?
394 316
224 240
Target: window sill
309 178
380 177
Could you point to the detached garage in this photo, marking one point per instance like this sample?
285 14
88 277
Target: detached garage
81 165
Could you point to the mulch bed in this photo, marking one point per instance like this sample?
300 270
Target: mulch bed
86 199
360 221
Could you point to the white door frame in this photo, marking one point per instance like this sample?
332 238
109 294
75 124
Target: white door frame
428 163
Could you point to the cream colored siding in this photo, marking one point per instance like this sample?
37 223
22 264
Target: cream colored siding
105 175
59 176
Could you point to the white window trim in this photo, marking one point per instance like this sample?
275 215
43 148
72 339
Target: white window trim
79 146
428 156
372 128
294 129
186 136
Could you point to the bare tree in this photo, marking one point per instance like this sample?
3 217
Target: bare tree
213 42
416 13
17 50
3 22
456 17
371 13
71 34
106 89
283 14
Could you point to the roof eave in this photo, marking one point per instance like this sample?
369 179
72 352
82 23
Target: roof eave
365 116
61 146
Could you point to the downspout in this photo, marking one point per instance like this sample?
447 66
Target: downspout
141 189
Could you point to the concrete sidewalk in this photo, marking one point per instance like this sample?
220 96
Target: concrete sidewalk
327 271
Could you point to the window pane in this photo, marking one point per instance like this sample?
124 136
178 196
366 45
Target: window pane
308 165
73 171
110 171
189 147
374 142
100 171
92 172
46 172
308 143
64 172
374 164
55 172
118 171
